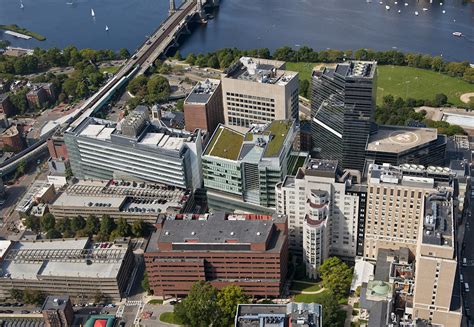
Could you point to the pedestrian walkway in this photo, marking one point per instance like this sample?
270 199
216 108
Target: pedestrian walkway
133 303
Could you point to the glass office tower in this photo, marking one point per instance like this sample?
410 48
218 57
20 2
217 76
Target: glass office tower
342 112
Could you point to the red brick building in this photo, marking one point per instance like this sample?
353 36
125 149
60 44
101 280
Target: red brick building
203 107
57 148
11 138
37 97
246 250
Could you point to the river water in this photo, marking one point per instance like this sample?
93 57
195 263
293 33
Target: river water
321 24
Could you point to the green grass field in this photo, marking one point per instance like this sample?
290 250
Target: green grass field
296 286
170 318
308 298
111 70
406 82
18 29
155 302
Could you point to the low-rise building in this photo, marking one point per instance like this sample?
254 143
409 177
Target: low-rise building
11 139
37 97
240 170
80 266
223 249
203 108
57 311
135 149
119 199
279 315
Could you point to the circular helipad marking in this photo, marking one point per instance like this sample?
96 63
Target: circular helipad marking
403 137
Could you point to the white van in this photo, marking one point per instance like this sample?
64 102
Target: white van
466 287
464 262
461 278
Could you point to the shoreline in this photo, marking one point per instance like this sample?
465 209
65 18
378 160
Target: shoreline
22 33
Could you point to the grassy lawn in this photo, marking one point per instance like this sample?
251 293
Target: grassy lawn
18 29
405 82
111 70
296 286
156 301
308 298
409 82
170 318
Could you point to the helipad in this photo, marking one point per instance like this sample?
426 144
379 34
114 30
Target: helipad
397 139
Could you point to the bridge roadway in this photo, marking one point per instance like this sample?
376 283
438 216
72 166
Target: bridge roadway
149 51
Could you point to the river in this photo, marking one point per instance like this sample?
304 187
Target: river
320 24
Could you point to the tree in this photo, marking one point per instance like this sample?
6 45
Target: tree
53 233
33 297
16 294
331 316
200 308
304 88
146 284
63 225
47 222
227 300
440 100
180 105
18 100
177 55
107 225
92 225
191 59
124 53
336 276
123 228
137 86
77 223
98 297
158 89
33 223
138 228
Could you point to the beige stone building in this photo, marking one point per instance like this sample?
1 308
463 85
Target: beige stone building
435 289
259 91
395 198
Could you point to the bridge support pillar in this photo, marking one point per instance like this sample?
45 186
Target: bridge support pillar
172 9
200 10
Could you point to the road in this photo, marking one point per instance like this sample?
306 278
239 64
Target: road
467 251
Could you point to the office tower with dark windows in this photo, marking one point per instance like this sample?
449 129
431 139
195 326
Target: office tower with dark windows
342 112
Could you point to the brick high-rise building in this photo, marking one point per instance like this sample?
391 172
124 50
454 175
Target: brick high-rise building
203 108
246 250
6 107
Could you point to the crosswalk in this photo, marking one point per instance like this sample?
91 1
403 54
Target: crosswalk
132 303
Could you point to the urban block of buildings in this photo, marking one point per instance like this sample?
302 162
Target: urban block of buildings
240 170
135 149
203 107
259 91
223 249
80 266
57 311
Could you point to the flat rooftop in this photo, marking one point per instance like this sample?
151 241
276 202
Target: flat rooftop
259 70
55 302
279 315
438 219
62 258
202 91
399 139
354 69
262 141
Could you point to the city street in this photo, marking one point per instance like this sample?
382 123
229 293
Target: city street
467 269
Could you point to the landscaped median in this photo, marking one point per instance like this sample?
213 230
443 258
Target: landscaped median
24 31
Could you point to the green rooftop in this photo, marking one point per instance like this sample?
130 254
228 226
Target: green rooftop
279 130
226 143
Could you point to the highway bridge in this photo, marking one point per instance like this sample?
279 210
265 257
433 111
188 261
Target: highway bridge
164 37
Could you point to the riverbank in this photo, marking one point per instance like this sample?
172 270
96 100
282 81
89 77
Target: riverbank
22 31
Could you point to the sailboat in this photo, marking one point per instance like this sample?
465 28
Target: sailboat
106 28
21 5
416 13
92 12
387 7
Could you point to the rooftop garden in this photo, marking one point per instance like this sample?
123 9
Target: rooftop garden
225 144
279 129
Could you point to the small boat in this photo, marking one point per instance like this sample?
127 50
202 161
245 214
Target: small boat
458 34
406 4
92 12
416 13
399 11
368 1
396 2
21 5
381 2
444 11
440 3
70 3
431 1
425 9
106 28
387 7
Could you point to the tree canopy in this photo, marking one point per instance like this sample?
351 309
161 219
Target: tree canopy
336 276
